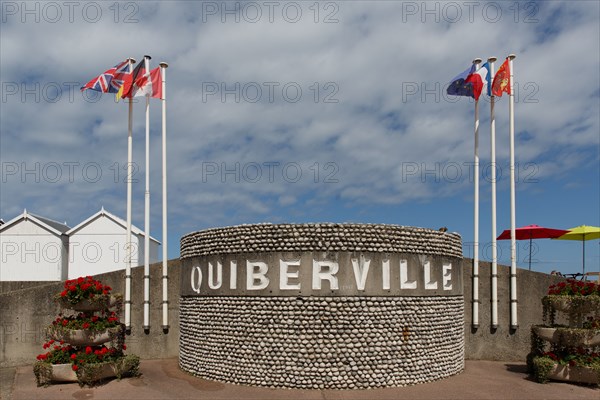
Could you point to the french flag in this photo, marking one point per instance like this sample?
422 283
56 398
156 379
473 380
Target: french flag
480 79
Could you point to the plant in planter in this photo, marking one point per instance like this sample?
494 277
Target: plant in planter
88 346
581 364
85 328
87 294
574 350
575 298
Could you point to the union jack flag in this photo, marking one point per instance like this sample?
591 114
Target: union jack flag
111 80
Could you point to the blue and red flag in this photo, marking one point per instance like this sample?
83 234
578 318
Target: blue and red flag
480 79
459 85
111 80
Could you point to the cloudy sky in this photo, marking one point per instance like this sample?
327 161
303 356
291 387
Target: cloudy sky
306 111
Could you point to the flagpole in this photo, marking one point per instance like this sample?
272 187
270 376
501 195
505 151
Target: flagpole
513 244
146 325
165 278
476 300
494 296
128 239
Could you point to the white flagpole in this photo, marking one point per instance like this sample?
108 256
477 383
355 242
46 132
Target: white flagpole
494 296
146 325
513 244
128 239
476 300
165 279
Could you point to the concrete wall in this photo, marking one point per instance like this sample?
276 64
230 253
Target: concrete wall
503 343
26 312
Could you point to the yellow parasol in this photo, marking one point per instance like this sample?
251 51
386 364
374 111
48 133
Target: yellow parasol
583 233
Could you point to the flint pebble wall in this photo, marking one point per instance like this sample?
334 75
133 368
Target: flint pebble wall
312 342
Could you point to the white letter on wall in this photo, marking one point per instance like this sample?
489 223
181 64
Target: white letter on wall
385 266
252 275
320 275
211 275
361 269
404 282
233 275
429 284
285 275
447 276
196 288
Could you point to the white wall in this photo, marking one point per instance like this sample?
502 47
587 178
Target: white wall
31 253
100 247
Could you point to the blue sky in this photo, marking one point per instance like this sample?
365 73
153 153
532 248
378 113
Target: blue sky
307 112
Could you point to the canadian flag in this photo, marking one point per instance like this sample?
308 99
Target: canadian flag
140 83
149 85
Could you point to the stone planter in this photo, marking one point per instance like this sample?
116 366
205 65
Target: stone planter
87 305
85 337
583 304
578 374
568 336
546 333
65 373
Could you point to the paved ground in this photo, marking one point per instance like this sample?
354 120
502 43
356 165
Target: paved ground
162 379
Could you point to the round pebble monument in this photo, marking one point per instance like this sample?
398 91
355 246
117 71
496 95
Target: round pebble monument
322 306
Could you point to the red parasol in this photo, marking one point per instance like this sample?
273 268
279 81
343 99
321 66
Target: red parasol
532 232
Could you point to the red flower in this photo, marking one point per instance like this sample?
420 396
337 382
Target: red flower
72 288
63 293
73 356
75 367
124 347
88 350
85 325
64 322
